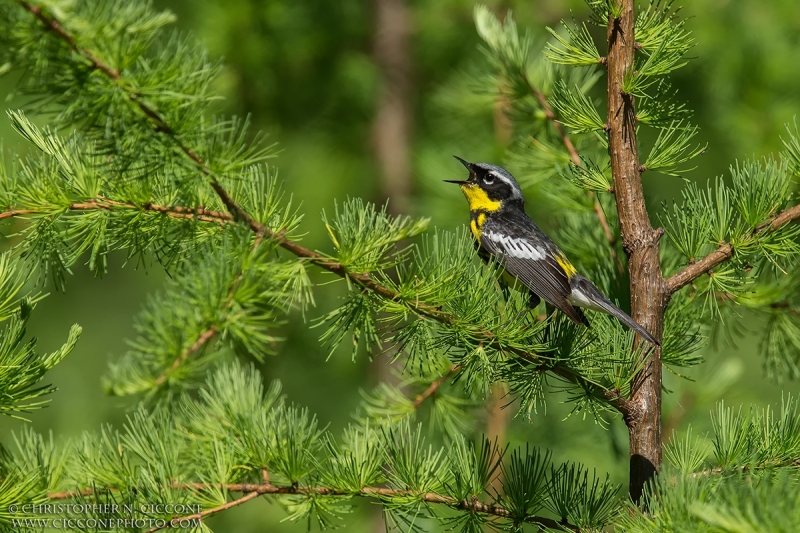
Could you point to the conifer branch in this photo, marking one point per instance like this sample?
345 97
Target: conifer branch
717 470
433 387
576 160
70 494
364 280
551 116
151 113
201 341
54 26
208 512
726 251
207 334
179 212
253 490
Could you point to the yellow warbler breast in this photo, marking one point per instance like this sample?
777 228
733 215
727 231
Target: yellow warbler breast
477 220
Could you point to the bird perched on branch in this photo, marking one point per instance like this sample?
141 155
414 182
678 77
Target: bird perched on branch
504 231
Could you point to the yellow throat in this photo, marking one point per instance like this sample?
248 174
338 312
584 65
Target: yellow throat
478 199
479 205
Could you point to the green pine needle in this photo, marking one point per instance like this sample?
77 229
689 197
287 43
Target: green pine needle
577 49
672 149
575 110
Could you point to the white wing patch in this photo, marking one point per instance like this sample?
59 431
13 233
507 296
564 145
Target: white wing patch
519 248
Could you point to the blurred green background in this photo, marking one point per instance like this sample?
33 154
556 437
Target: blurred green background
330 80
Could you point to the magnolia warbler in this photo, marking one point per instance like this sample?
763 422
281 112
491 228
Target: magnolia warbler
504 231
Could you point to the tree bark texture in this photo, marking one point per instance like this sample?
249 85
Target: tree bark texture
640 242
391 132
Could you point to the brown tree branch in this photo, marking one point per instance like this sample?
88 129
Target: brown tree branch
251 491
70 494
101 203
576 160
178 212
366 281
640 242
726 251
54 26
201 341
208 512
362 279
433 387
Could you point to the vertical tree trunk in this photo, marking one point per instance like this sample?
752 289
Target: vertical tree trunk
498 418
391 128
640 241
497 425
391 132
392 125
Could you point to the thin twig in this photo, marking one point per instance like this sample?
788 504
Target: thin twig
726 251
70 494
717 470
363 279
433 387
209 333
201 341
101 203
178 212
54 26
252 490
576 160
208 512
551 116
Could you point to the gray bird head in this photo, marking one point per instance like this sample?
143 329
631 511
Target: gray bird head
498 184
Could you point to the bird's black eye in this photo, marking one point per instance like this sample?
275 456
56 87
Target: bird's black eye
488 179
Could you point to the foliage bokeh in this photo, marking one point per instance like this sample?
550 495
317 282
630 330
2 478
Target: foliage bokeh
305 73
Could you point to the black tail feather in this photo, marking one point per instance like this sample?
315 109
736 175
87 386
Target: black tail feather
623 317
599 299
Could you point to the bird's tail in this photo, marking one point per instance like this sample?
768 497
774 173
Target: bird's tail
601 303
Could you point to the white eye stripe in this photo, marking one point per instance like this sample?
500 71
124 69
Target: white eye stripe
500 177
490 173
491 176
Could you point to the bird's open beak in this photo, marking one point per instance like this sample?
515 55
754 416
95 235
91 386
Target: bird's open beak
466 164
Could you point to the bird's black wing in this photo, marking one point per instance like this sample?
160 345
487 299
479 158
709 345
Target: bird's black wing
533 262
